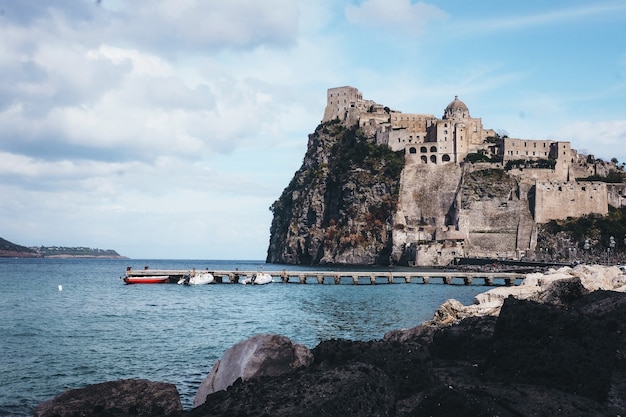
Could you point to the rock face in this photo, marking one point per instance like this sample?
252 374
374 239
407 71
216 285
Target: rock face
356 202
260 355
339 206
130 397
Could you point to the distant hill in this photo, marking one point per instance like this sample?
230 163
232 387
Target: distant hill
12 250
76 252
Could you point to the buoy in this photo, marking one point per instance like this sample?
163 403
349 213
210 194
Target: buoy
60 287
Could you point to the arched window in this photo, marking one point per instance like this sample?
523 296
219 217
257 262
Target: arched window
412 150
424 159
433 149
445 158
423 149
433 159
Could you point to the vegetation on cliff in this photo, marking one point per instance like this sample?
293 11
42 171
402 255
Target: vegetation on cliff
557 238
339 204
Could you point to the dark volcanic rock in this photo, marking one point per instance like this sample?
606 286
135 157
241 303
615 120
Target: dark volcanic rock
354 389
129 397
563 349
407 366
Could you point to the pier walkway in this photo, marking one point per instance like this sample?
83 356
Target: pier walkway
347 277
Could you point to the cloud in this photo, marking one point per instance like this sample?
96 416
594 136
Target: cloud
185 24
395 15
605 138
542 18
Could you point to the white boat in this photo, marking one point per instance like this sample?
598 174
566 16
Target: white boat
258 279
198 279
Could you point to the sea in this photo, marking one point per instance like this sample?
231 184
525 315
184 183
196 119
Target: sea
68 323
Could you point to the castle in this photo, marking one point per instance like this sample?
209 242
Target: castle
436 151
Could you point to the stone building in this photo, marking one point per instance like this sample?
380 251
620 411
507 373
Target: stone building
432 224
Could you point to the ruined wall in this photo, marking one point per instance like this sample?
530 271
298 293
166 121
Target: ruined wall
560 200
616 194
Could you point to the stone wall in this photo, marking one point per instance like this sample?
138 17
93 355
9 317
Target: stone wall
616 195
560 200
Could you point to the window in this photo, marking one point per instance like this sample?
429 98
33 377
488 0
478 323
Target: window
423 149
433 159
412 150
445 158
433 149
424 159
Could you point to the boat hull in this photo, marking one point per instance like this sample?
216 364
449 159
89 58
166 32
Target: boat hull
200 279
158 279
258 279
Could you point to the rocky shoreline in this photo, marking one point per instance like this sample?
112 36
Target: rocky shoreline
554 345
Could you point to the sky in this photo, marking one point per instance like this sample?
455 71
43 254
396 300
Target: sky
165 129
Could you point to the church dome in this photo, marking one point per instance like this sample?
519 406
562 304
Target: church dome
456 109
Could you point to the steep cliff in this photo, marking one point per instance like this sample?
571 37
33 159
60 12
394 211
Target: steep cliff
338 208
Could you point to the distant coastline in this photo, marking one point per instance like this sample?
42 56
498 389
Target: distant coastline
12 250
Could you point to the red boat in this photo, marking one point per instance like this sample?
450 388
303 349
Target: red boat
157 279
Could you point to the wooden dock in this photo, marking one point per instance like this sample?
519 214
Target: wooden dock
347 277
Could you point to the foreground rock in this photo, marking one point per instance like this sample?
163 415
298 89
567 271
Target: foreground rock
129 397
533 359
555 286
260 355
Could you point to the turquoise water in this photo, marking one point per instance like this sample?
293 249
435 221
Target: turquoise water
98 329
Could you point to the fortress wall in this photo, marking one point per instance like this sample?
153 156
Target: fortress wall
560 200
616 195
498 245
540 174
426 193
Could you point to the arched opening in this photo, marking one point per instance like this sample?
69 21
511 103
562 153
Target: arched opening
412 150
424 159
433 149
433 159
423 149
445 158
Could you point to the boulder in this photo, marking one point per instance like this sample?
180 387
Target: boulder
128 397
347 389
260 355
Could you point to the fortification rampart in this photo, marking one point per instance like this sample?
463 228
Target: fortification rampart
560 200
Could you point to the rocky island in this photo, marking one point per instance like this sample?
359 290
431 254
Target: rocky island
378 186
